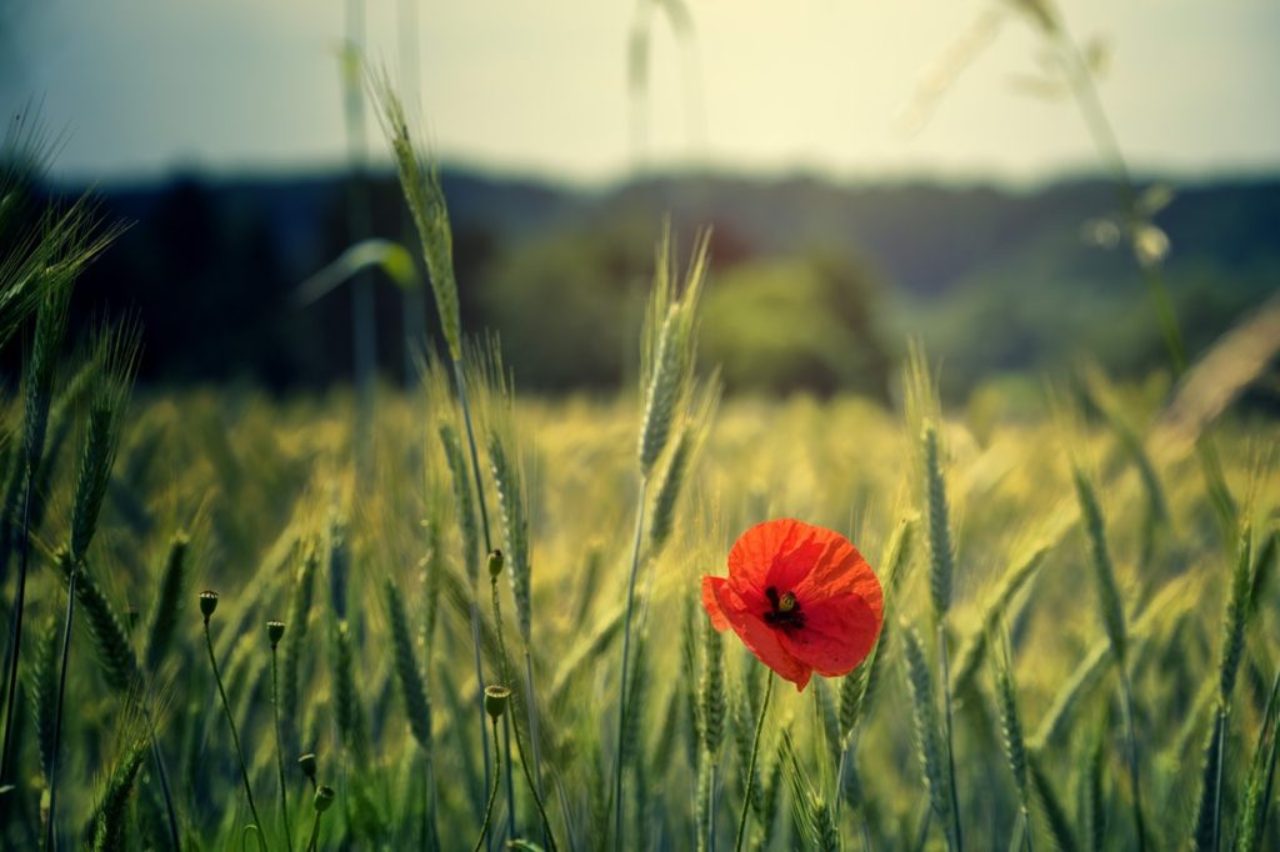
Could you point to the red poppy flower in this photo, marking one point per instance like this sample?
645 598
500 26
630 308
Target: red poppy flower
801 597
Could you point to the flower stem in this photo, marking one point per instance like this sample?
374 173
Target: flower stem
1138 824
50 835
945 672
275 705
235 738
493 794
626 657
751 766
15 636
315 833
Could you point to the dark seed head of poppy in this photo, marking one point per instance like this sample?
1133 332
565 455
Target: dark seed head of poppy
275 631
208 603
308 764
784 610
324 798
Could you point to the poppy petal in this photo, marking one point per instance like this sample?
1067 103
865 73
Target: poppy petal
837 635
726 608
753 555
711 587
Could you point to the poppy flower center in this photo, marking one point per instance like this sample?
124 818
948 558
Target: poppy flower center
784 610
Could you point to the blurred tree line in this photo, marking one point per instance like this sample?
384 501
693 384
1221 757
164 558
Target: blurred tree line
815 285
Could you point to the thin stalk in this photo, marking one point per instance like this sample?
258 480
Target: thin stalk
626 655
751 765
15 634
493 795
1104 137
711 802
508 780
50 833
475 646
171 815
549 838
275 706
461 381
1221 733
506 719
235 738
951 760
315 832
531 705
1138 824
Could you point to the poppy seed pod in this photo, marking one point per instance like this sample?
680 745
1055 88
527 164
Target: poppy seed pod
495 700
495 564
324 798
308 764
275 632
208 603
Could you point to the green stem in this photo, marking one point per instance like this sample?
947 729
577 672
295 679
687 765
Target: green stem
235 737
626 656
493 795
751 765
1138 822
461 381
1221 733
506 721
275 706
51 835
315 833
957 838
15 636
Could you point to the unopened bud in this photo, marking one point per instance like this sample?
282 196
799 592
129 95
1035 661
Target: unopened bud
495 564
208 603
324 798
275 632
308 764
495 700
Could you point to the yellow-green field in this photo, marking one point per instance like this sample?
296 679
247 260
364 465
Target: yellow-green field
279 522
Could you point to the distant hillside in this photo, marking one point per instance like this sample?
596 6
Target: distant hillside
994 279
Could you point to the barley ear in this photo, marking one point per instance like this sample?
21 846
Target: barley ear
928 727
168 602
941 555
420 181
1100 557
112 812
412 686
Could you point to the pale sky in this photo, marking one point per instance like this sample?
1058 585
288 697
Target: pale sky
141 87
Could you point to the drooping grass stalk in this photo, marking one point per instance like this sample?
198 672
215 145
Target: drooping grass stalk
751 764
209 603
275 632
1081 84
1117 635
